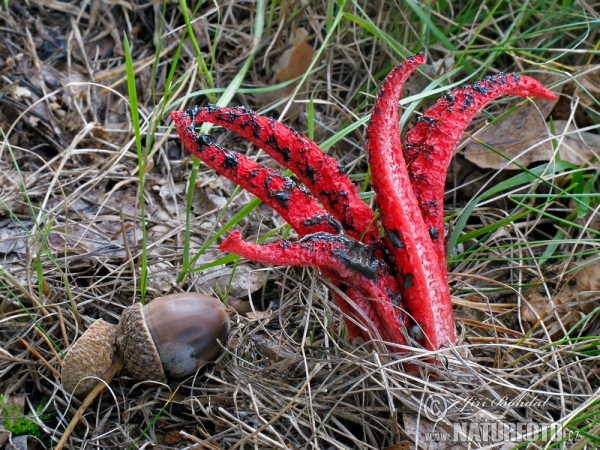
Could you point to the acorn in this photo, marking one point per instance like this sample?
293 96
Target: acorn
170 336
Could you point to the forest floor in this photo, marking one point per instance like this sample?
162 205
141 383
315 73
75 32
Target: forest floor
78 171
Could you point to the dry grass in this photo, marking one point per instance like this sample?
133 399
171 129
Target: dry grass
70 238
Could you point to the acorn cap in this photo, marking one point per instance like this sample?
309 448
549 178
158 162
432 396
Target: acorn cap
136 346
89 358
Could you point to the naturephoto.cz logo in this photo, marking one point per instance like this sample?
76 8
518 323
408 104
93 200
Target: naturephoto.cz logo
482 426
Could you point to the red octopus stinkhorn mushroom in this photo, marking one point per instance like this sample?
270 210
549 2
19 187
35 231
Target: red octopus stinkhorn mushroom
387 284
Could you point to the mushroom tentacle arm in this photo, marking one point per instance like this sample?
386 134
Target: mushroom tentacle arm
294 203
322 174
430 143
343 259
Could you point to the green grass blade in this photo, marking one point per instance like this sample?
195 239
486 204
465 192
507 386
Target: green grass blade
135 119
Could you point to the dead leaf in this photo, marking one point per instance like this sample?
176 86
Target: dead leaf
245 279
240 306
169 194
162 276
20 92
295 61
590 85
576 146
259 315
11 196
523 129
12 238
577 297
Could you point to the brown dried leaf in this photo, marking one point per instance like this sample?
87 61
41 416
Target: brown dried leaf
532 143
13 238
295 61
590 80
10 191
576 298
512 135
259 315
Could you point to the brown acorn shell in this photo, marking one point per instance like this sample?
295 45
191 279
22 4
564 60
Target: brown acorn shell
90 357
136 346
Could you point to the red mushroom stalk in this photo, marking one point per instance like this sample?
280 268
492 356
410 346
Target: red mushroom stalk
407 238
391 284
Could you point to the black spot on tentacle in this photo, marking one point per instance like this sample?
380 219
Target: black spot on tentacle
428 207
408 281
282 195
449 98
203 140
411 152
335 196
428 120
299 137
469 98
394 237
286 153
348 222
284 244
333 221
351 253
256 127
305 191
327 237
231 159
481 87
434 233
192 113
273 142
395 299
418 177
338 201
308 171
229 116
322 218
249 121
359 257
516 77
212 108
